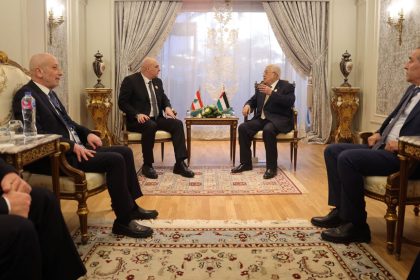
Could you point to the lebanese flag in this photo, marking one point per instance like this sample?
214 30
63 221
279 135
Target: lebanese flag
223 102
197 102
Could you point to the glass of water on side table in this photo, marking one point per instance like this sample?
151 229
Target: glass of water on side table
4 135
16 129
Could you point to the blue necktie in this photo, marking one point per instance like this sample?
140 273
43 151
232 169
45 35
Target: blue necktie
390 125
64 117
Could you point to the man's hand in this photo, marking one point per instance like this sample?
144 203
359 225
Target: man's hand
12 182
82 152
170 113
94 141
246 110
391 146
373 139
265 89
19 203
142 118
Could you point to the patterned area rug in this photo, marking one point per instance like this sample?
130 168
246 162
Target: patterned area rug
227 250
219 181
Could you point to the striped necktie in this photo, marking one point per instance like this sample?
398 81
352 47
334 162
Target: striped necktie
155 110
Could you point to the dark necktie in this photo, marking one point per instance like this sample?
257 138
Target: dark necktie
390 125
64 117
153 101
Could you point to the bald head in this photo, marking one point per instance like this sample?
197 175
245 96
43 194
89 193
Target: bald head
45 70
149 67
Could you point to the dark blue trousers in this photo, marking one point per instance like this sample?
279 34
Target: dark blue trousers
347 164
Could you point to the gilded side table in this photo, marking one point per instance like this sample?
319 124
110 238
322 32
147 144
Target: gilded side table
344 103
99 105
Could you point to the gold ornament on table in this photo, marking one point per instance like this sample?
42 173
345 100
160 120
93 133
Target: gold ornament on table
346 65
98 68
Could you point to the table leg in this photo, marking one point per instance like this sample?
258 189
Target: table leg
188 125
235 125
401 205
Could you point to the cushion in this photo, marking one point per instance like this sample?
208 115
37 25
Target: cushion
280 136
160 135
94 180
11 80
377 184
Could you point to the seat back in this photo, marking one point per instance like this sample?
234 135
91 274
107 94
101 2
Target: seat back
12 78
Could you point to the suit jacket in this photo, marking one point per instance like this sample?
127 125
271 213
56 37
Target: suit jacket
411 126
279 106
47 118
134 98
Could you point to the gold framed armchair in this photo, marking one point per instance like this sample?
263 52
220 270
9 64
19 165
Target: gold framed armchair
130 137
386 189
74 184
290 137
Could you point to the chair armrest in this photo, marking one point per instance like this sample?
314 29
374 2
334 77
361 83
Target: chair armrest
364 135
66 168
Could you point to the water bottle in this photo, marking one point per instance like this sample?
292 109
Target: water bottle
29 115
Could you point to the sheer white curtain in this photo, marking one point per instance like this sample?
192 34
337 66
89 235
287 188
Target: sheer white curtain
187 64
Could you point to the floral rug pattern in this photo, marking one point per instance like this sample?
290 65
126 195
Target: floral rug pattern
219 181
227 250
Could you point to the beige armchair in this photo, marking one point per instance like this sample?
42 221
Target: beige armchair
290 137
386 189
130 137
74 184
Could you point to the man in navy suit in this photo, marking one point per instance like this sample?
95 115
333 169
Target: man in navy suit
86 151
347 164
273 104
34 240
143 99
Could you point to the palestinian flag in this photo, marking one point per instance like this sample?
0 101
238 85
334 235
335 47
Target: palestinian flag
223 102
197 102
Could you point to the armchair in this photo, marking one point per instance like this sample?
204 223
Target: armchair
290 137
130 137
74 183
386 189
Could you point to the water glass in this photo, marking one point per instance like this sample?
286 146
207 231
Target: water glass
188 114
4 135
16 129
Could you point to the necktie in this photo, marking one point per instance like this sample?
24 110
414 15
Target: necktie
153 101
64 117
390 125
262 110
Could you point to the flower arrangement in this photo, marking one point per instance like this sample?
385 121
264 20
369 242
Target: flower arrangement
211 111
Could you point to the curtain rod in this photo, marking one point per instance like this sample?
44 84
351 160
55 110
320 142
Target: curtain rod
232 1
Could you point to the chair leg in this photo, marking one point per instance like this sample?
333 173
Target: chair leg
162 149
254 147
291 151
83 211
295 148
416 209
391 222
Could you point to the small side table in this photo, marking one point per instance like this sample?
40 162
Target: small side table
344 103
99 105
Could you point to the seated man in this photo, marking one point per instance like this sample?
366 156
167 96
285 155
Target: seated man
86 151
273 102
348 163
34 240
143 99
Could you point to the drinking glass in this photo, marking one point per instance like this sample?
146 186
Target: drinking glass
4 135
16 129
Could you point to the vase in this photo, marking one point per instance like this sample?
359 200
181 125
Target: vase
346 65
98 68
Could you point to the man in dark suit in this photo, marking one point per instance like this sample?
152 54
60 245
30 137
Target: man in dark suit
144 101
347 164
273 104
34 240
86 151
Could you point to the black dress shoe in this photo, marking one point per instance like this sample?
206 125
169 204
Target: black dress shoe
270 173
241 168
133 229
143 214
329 221
347 233
149 172
182 169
